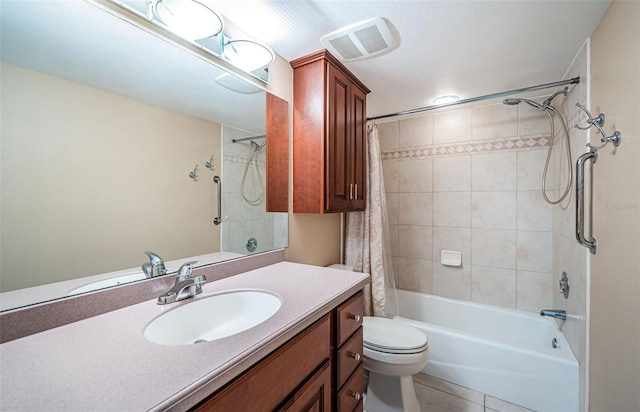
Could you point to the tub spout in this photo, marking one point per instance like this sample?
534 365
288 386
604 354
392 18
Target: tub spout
554 313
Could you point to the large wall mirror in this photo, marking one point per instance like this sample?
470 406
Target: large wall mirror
111 138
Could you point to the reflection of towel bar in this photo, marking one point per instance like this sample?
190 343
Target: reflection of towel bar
590 244
218 219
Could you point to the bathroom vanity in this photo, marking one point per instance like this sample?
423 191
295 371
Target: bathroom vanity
308 354
313 371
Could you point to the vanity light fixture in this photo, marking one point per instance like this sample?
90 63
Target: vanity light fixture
248 55
189 19
450 98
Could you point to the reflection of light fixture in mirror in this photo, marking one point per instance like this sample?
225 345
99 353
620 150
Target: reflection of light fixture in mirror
248 55
188 18
231 82
450 98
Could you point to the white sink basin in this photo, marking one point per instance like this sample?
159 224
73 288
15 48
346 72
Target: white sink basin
106 283
212 318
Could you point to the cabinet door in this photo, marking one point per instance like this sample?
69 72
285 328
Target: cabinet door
277 154
358 145
337 141
315 395
270 382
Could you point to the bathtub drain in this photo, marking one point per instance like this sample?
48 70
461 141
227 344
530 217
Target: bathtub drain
554 343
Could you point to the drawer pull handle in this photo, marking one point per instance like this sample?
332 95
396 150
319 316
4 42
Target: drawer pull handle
356 395
355 356
354 317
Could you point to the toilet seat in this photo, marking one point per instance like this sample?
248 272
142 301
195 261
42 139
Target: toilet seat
389 336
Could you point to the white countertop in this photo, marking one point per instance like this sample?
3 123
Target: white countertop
105 363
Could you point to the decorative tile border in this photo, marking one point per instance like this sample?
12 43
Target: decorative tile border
231 158
468 147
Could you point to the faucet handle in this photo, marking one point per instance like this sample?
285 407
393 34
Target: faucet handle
185 270
155 266
154 258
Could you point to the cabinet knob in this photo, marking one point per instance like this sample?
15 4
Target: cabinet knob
355 356
356 395
354 317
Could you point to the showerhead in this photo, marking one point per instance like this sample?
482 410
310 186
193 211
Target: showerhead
256 146
512 102
542 106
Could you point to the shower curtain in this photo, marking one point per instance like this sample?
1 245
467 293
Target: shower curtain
368 245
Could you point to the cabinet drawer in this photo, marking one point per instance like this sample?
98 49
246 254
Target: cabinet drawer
351 393
269 383
349 357
349 317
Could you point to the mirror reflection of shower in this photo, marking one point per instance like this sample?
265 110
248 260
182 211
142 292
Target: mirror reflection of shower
252 186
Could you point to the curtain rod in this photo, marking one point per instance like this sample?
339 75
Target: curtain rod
574 80
248 138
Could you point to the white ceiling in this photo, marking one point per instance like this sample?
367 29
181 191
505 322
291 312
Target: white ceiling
468 48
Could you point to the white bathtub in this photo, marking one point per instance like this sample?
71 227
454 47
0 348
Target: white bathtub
503 353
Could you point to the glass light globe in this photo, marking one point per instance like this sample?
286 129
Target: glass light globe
248 55
188 19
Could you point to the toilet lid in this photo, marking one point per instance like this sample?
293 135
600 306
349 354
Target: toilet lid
387 335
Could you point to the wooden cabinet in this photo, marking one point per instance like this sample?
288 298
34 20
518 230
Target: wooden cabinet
329 136
348 388
315 394
277 174
318 370
274 379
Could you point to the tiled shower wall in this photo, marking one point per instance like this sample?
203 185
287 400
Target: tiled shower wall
469 180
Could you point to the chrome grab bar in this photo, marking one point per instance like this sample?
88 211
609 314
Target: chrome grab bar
590 244
218 219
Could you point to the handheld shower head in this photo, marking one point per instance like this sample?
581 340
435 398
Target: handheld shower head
256 146
542 106
512 102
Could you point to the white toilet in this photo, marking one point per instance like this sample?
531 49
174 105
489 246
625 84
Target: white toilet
393 352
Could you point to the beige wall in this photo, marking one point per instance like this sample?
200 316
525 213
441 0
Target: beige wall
78 161
615 270
313 239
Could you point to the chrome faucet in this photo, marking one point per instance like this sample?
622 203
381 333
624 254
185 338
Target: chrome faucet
554 313
185 286
155 267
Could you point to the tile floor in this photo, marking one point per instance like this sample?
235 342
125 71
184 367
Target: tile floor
436 395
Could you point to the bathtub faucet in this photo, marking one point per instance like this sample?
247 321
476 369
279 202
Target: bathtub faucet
554 313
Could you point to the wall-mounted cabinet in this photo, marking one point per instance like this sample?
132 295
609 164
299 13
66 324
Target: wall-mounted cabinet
329 136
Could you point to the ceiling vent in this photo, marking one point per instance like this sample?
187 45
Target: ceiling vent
360 40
